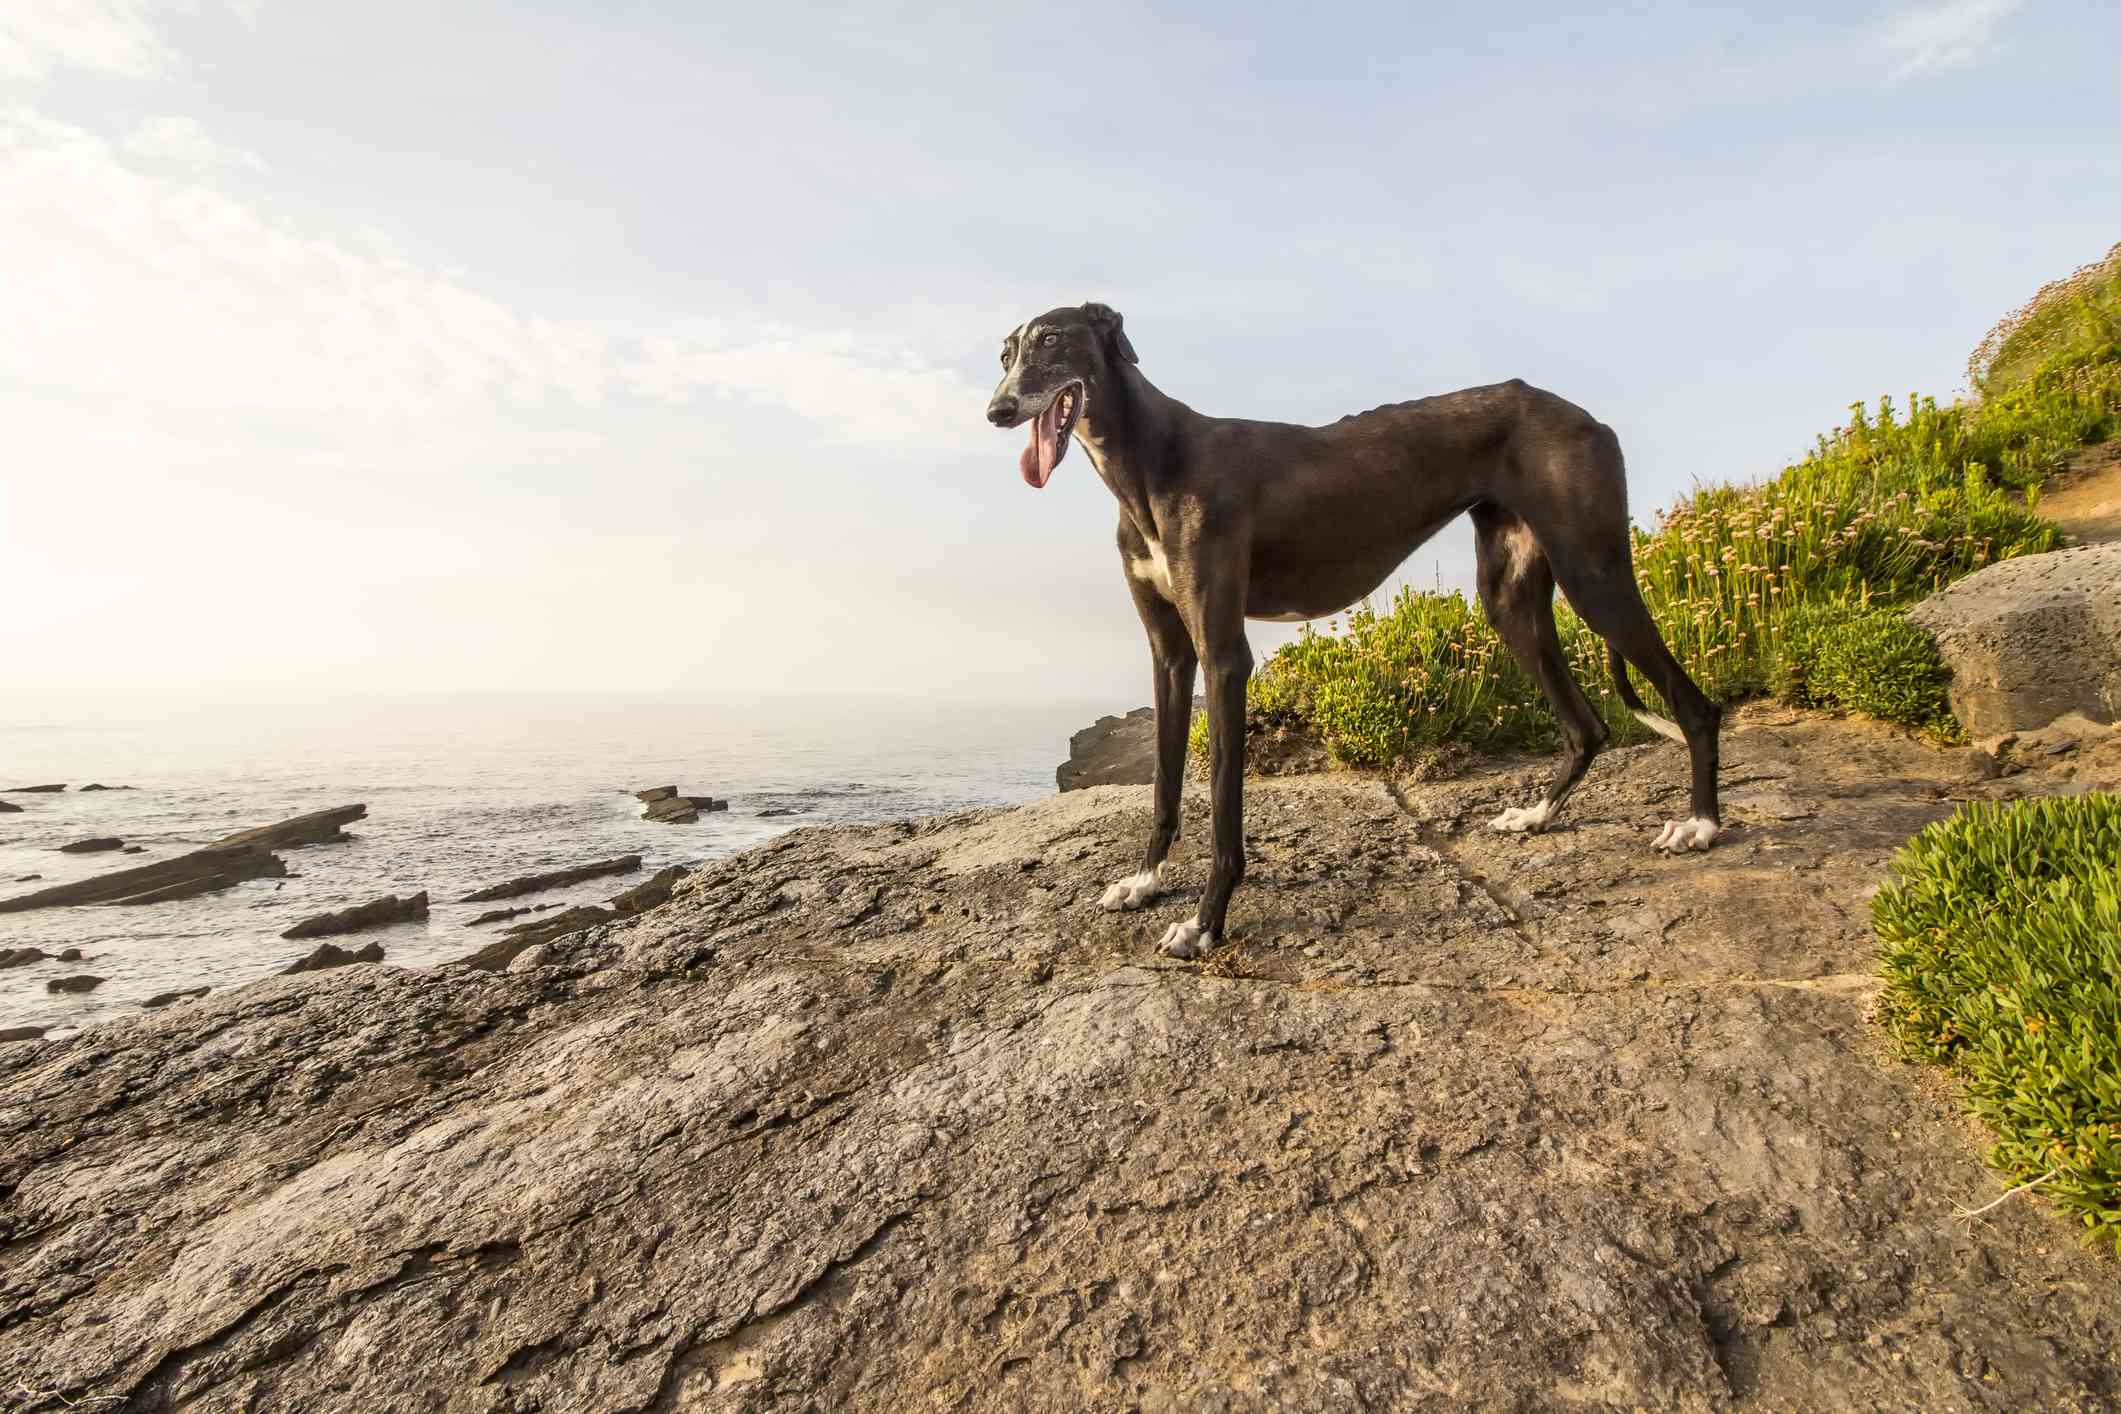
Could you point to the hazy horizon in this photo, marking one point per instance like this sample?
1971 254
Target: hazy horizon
404 350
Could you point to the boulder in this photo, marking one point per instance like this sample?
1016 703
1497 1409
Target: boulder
655 793
70 955
558 878
32 790
163 999
93 846
332 955
186 876
1112 751
2031 639
21 957
22 1033
379 913
80 982
674 810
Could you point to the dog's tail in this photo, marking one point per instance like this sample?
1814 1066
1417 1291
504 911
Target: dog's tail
1663 726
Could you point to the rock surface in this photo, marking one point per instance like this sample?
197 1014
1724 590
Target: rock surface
328 955
317 827
558 878
80 982
654 794
377 913
21 957
2032 639
681 809
8 807
186 876
163 999
93 846
33 790
1111 751
875 1117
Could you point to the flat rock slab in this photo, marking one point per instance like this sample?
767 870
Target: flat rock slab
329 955
377 913
2032 639
317 827
558 878
877 1117
32 790
94 846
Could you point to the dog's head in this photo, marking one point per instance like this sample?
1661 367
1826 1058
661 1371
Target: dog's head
1052 368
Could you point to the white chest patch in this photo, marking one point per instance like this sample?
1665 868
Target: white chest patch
1153 568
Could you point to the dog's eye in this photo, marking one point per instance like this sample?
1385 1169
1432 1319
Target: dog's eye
1049 340
1005 358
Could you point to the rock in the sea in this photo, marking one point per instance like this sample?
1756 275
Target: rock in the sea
27 878
22 1033
93 846
97 785
80 982
378 913
655 793
70 955
332 955
1112 751
134 848
2032 639
503 950
558 878
186 876
777 811
33 790
8 807
673 810
21 957
497 915
317 827
163 999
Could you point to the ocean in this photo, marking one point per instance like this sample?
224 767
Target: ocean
461 793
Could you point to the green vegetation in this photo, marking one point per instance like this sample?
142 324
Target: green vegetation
1789 585
2001 930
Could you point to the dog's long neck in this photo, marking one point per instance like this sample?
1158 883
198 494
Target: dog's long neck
1126 429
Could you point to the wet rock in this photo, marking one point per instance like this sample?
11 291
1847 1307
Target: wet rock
70 955
644 896
78 983
378 913
22 1033
317 827
32 790
2032 639
27 878
185 876
330 955
498 915
655 793
499 953
163 999
777 811
133 848
869 1117
558 878
676 810
21 957
93 846
8 807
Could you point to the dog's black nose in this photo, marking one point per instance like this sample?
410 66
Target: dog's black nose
1002 411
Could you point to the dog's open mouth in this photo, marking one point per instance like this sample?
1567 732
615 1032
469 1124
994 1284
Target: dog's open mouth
1049 435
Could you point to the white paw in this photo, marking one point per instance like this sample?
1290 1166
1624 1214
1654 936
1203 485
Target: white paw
1523 820
1187 940
1680 836
1133 891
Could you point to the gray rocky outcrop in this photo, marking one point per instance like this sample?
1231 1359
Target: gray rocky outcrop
555 879
654 794
99 845
2031 639
875 1117
329 955
377 913
1112 751
317 827
681 809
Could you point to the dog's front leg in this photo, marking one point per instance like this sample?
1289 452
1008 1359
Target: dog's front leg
1174 664
1229 666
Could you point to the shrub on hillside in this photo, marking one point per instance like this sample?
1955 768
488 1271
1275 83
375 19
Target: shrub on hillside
2072 322
2001 936
1864 659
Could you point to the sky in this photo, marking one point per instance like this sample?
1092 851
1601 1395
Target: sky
414 348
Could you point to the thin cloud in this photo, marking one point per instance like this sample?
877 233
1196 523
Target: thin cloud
40 37
1942 35
173 138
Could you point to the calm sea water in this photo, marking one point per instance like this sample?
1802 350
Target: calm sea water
460 793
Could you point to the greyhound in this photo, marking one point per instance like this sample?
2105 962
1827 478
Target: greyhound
1223 520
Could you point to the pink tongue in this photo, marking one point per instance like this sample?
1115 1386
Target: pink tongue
1037 461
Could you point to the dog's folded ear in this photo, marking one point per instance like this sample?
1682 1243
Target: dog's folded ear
1106 320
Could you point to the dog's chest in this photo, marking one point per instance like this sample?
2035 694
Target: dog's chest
1152 569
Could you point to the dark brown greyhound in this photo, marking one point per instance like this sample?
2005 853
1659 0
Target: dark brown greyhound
1223 520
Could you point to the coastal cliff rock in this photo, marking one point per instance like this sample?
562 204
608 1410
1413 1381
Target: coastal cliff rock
878 1117
1111 751
378 913
558 878
2032 639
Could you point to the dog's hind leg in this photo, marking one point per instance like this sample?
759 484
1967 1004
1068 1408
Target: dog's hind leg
1517 591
